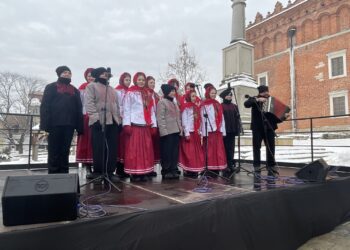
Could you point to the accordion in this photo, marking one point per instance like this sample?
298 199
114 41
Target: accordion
275 108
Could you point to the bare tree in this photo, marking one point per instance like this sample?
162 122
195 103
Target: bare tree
185 68
16 96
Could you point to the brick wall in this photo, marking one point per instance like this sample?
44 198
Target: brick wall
323 26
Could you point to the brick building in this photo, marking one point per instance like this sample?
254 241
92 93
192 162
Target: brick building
304 48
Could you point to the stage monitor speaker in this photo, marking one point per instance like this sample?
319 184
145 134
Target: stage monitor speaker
40 199
316 171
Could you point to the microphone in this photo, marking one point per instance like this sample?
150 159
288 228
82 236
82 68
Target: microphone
247 96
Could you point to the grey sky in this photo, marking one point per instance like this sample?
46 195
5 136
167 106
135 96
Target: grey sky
36 36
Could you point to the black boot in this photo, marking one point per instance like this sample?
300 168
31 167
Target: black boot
228 172
272 171
257 170
120 171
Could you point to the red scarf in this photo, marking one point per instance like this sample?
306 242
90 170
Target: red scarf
196 114
121 86
217 109
153 94
83 86
65 88
147 101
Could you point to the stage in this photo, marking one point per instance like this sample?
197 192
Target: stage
241 214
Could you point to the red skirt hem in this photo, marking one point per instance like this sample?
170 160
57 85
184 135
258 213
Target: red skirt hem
84 144
216 151
140 157
191 155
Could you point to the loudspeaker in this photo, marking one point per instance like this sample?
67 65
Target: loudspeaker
315 171
40 199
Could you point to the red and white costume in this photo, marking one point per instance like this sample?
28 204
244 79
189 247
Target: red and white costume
121 90
216 131
191 155
84 143
139 122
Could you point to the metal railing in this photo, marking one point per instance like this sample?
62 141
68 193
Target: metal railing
313 126
20 136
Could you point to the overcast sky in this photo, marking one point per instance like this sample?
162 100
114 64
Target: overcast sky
36 36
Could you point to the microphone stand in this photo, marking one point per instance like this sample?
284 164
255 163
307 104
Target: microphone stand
241 132
104 175
206 169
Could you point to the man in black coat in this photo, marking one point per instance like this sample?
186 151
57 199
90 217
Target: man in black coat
60 114
232 126
263 126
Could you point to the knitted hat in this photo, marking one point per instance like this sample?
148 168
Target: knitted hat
263 88
61 69
96 73
225 93
166 89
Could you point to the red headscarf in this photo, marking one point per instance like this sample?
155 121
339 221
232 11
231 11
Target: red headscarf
151 91
217 106
87 71
194 106
121 81
147 99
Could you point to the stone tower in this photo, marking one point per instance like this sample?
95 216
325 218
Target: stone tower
238 60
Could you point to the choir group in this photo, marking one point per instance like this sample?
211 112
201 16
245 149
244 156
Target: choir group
139 128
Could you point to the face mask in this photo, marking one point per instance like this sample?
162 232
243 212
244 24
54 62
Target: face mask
64 80
102 80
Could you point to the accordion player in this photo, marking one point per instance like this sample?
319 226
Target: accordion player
275 109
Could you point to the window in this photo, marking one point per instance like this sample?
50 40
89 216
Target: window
337 64
263 79
339 102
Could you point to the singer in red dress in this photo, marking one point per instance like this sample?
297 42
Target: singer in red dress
215 131
138 123
191 157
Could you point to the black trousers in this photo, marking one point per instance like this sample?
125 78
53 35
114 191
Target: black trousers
269 140
229 142
59 142
110 147
169 153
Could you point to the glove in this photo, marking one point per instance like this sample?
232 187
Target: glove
127 129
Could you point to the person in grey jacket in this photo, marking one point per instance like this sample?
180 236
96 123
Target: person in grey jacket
95 108
169 124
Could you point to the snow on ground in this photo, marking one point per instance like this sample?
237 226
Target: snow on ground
334 151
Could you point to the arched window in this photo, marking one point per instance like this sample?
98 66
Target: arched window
324 25
266 47
343 18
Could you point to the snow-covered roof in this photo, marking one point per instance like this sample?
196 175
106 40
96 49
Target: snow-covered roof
240 80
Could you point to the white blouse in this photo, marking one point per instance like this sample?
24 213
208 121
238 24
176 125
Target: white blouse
83 99
187 118
211 120
133 110
120 94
